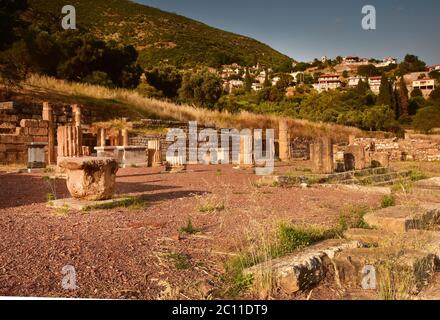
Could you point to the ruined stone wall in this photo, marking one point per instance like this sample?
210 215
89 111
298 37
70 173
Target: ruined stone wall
14 146
406 149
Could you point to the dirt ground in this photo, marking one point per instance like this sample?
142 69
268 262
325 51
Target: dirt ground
140 253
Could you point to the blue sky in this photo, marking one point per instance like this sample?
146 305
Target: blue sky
307 29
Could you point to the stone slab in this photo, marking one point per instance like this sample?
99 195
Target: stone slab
404 218
422 240
432 183
417 267
303 269
80 205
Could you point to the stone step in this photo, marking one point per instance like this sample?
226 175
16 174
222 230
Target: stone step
410 267
422 240
391 182
403 218
302 269
379 179
353 174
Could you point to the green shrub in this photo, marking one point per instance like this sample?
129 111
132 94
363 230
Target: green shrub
189 228
180 260
387 201
352 218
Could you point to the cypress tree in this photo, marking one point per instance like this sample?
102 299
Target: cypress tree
385 92
247 81
402 94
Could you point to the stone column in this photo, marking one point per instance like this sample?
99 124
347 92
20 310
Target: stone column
102 137
351 139
76 110
321 155
154 153
283 140
246 151
327 155
125 141
48 116
69 139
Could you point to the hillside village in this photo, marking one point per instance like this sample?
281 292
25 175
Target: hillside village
343 75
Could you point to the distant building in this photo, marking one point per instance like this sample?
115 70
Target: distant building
434 68
425 85
351 59
328 82
354 81
354 60
257 86
261 77
387 61
228 86
374 83
275 80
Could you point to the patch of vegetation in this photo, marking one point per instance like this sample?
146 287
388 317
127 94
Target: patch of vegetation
353 217
130 203
284 240
211 206
180 260
51 182
403 186
63 211
417 175
387 201
189 228
292 237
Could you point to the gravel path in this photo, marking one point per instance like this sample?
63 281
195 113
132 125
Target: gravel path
125 253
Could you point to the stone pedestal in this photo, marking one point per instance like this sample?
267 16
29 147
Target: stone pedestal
175 164
106 151
321 155
154 153
132 156
36 155
90 178
283 140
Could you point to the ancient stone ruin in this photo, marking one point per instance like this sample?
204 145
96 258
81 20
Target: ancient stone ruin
90 178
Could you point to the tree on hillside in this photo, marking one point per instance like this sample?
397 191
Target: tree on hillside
362 87
385 92
165 78
427 119
247 81
435 94
411 63
201 88
416 93
368 70
379 118
267 83
402 95
9 21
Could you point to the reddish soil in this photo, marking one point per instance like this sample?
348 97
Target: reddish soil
125 253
